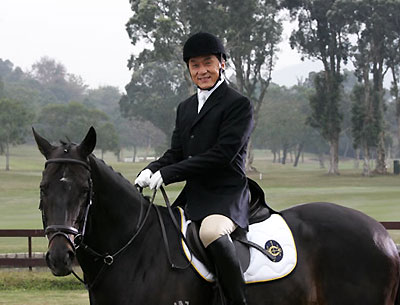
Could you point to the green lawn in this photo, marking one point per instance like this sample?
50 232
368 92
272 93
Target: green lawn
44 297
284 186
40 287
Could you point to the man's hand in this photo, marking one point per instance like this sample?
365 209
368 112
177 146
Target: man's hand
143 180
156 181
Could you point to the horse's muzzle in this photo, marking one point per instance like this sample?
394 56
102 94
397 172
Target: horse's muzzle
60 256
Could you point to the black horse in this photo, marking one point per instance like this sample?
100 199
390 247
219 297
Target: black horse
344 256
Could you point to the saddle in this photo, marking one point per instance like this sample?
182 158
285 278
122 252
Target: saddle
258 211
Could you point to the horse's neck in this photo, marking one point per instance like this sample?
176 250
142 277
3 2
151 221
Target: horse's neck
116 206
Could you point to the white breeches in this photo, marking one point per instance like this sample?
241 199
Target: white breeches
214 226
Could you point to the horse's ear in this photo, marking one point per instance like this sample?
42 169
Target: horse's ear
88 144
44 146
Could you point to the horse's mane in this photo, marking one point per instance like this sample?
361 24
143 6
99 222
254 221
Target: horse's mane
116 176
103 167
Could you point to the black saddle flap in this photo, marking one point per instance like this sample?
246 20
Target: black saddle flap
259 210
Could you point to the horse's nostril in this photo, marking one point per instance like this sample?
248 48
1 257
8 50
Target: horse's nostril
69 257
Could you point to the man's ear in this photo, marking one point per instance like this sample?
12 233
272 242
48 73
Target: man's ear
222 64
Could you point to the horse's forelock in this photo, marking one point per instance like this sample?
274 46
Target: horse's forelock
67 145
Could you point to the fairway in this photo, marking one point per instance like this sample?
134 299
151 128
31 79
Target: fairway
284 186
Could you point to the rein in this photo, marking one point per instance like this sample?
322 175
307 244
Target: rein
164 233
108 259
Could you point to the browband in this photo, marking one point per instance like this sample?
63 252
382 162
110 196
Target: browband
64 160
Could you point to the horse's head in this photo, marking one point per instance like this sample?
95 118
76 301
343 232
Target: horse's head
65 196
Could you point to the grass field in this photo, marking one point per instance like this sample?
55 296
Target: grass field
40 287
284 186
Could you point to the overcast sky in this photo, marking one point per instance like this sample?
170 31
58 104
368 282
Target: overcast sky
89 38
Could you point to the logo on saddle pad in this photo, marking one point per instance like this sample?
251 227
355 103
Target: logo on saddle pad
275 249
273 235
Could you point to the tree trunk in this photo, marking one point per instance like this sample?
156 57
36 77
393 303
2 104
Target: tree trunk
398 132
381 155
395 90
250 157
284 154
357 158
148 148
346 148
366 167
334 156
321 160
7 157
134 153
299 151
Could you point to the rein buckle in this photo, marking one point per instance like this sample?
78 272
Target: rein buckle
109 260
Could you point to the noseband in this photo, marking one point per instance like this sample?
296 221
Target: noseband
63 230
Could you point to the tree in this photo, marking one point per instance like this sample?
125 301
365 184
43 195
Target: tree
15 119
393 63
253 45
104 98
376 25
2 93
107 139
323 34
395 93
152 95
71 120
326 117
280 122
364 133
135 133
53 76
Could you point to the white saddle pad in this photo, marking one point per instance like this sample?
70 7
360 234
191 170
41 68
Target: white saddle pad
272 234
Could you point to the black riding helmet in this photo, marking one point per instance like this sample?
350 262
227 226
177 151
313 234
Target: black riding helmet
202 44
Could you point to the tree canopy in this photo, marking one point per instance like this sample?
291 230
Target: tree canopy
15 120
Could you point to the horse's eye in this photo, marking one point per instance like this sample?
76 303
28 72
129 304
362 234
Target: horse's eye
85 190
42 191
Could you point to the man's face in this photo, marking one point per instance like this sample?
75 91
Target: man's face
204 70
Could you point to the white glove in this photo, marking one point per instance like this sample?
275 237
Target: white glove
156 181
143 180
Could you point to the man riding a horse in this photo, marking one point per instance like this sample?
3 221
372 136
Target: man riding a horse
208 151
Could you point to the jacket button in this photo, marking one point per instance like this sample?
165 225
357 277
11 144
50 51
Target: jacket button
192 136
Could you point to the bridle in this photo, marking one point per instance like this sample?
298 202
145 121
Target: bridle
79 234
64 230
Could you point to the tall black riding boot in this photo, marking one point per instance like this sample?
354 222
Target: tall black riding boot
229 272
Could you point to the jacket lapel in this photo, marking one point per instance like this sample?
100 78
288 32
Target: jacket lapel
192 112
212 101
